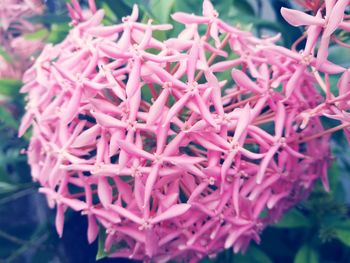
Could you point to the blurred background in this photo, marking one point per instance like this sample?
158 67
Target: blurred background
317 230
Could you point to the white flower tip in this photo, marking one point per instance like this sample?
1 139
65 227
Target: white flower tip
270 205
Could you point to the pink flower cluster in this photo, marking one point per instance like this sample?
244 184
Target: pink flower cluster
181 148
12 27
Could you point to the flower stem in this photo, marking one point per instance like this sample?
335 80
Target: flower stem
325 132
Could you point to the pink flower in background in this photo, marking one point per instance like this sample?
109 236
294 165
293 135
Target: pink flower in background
13 25
312 5
13 12
8 70
152 144
333 19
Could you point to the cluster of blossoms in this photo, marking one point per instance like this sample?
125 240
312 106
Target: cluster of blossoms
13 25
181 148
310 5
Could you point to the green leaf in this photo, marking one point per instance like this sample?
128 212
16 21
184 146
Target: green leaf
7 119
293 219
333 175
5 55
37 35
343 232
49 19
253 255
109 14
58 32
6 187
161 10
9 87
189 6
119 8
101 253
306 254
244 6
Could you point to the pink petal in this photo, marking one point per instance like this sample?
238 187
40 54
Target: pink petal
185 18
242 123
336 17
280 119
184 159
131 149
115 85
177 107
243 81
59 221
251 155
151 179
133 233
86 137
92 231
105 31
147 36
265 162
225 167
326 66
134 78
293 82
107 121
126 213
344 83
225 65
104 191
298 18
208 8
206 115
73 106
75 204
135 13
174 211
157 107
234 235
192 61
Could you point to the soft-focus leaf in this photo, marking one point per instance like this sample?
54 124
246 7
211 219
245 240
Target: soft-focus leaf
253 255
306 254
109 14
9 87
49 19
5 55
293 219
161 10
58 32
190 6
101 253
6 187
343 232
120 8
37 35
333 176
7 119
244 6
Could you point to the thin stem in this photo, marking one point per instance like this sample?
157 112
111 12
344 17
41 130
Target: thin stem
325 132
232 95
12 238
214 55
320 81
297 42
16 195
339 42
35 242
153 90
242 102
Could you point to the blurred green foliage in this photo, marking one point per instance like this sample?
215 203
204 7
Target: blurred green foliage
317 230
